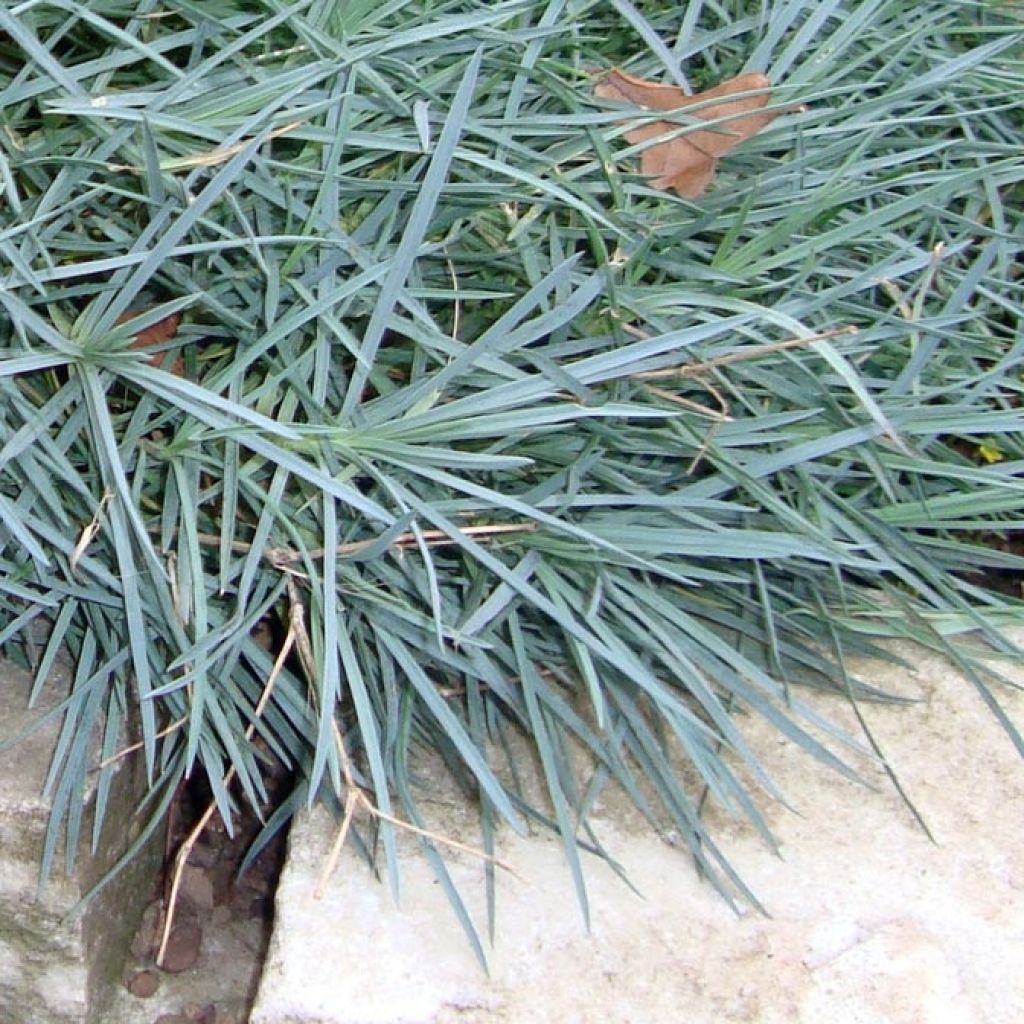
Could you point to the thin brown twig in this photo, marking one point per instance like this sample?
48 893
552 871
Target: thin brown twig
686 403
190 840
212 157
699 454
179 867
750 352
435 837
912 312
297 625
893 291
355 799
280 556
138 746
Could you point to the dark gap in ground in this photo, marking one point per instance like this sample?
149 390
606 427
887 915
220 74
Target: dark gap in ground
1001 580
218 913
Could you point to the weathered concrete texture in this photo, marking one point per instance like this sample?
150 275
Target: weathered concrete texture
871 922
225 975
54 971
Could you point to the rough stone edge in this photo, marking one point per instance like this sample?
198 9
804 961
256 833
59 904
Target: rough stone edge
277 1015
107 921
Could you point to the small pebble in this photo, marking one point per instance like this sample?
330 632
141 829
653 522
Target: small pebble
196 885
182 948
144 984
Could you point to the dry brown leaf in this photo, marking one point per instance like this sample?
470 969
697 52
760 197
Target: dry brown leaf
687 162
155 334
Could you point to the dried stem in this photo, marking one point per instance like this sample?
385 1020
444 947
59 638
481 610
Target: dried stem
751 352
88 533
434 538
138 746
686 403
356 798
190 840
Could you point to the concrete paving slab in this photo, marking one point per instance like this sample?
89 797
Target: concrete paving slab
871 922
52 970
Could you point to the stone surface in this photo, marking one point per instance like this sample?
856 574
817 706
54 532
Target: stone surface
55 971
225 974
871 922
212 962
144 984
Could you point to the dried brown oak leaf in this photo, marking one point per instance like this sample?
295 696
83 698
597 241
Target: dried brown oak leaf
687 162
155 334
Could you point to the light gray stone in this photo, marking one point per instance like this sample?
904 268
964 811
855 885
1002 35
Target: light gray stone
56 970
872 923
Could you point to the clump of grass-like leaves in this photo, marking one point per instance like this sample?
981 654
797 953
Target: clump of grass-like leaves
497 437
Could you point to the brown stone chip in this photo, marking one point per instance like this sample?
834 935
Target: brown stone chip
182 947
143 984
